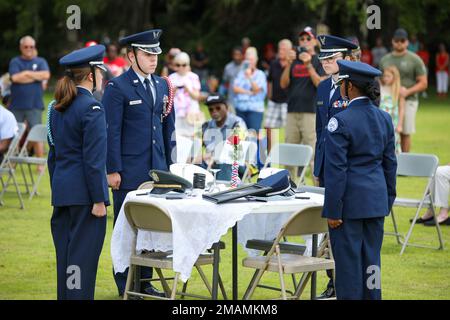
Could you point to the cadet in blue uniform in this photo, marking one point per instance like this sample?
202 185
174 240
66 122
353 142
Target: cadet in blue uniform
140 126
360 177
329 102
77 166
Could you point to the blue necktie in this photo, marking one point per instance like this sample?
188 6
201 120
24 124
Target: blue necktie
149 90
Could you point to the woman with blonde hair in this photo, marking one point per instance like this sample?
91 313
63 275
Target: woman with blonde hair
392 102
187 94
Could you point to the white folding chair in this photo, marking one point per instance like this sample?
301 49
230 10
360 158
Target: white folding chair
184 149
37 134
289 154
419 166
8 169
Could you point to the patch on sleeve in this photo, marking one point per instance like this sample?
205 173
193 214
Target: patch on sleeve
332 124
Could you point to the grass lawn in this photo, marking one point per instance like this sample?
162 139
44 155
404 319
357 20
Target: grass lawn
28 264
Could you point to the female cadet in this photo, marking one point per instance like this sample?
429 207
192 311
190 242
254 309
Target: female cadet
77 160
360 171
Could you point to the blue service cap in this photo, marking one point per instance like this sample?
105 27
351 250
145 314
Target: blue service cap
331 46
279 182
357 71
147 41
85 57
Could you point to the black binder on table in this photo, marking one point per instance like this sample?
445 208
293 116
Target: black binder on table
236 193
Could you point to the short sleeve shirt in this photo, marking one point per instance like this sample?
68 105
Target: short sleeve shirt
8 124
410 67
302 91
25 96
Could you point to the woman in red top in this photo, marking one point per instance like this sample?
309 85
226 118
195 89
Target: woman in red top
442 71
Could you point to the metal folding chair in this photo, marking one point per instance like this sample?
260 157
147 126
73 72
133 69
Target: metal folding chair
151 217
8 169
305 222
289 154
37 134
419 166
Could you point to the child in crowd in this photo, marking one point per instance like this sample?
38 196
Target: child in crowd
392 102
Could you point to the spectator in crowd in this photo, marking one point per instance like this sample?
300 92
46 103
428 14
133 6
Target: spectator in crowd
413 75
392 102
442 71
115 63
366 54
378 52
200 61
169 65
230 73
250 88
413 44
425 56
28 71
5 89
187 94
245 43
301 78
269 54
218 129
441 191
277 105
8 129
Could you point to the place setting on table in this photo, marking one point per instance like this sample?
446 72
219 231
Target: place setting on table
202 210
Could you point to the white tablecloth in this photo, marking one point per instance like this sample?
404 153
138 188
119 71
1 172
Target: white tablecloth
198 224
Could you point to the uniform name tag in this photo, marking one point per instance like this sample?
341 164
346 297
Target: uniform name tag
134 102
319 103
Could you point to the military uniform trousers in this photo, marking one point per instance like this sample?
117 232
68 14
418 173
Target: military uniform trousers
121 277
356 246
78 238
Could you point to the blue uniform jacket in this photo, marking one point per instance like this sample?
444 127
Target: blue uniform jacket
324 112
360 163
77 161
138 138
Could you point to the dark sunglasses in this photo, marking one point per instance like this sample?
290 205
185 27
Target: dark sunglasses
400 40
181 65
305 39
216 108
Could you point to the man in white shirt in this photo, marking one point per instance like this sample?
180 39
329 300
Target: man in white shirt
8 129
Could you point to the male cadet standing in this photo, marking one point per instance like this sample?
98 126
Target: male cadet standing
140 127
329 102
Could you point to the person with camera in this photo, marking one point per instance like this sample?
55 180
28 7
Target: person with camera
301 78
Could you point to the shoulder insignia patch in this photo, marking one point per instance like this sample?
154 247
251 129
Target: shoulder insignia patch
332 124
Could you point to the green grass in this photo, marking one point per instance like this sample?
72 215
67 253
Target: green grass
27 258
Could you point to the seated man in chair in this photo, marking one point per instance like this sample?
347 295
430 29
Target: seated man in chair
8 129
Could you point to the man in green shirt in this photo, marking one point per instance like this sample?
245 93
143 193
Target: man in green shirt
413 76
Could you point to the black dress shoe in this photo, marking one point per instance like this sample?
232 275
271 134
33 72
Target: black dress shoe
420 220
151 290
445 222
327 294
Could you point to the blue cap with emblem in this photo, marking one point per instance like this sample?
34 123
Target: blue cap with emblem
331 46
357 71
87 57
147 41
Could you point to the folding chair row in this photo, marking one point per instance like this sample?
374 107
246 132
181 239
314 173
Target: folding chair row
419 166
7 168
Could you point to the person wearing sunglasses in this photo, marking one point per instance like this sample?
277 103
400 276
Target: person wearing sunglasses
218 129
300 78
28 73
187 94
413 75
